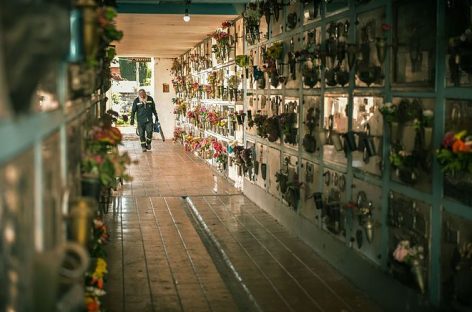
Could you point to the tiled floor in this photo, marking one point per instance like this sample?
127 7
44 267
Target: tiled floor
179 246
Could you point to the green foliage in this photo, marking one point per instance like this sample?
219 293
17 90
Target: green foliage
127 69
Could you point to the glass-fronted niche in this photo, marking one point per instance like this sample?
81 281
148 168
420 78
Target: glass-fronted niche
455 155
414 47
367 125
411 133
335 123
459 50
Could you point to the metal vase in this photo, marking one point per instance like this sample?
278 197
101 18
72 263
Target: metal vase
369 229
418 273
81 214
336 139
350 141
351 55
264 171
318 198
381 47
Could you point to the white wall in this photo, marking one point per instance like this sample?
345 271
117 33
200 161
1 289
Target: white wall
164 106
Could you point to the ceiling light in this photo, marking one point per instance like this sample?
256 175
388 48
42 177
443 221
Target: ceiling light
186 16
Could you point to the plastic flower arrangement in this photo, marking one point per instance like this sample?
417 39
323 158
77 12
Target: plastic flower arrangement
233 82
190 115
275 51
455 153
428 118
223 41
389 112
178 134
287 123
222 122
243 61
405 253
106 20
94 281
212 118
102 160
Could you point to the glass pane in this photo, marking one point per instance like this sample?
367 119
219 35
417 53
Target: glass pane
459 58
312 133
335 5
52 191
311 11
371 49
335 125
457 162
289 122
367 123
411 148
17 233
409 223
310 55
337 70
415 42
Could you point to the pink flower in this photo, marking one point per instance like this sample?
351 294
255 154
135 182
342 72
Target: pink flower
401 252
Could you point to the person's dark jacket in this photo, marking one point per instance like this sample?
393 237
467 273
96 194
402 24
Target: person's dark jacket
144 111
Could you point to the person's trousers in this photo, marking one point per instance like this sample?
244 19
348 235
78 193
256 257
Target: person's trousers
145 133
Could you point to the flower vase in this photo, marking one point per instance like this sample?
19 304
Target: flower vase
261 83
394 132
264 171
409 136
428 137
381 49
369 229
351 55
417 271
91 188
80 217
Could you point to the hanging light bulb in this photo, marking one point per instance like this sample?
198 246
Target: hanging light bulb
186 16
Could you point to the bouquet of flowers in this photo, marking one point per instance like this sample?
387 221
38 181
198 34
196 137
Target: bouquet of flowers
94 283
178 134
389 112
455 153
106 20
413 256
212 118
101 159
405 253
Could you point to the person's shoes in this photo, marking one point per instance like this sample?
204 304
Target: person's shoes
144 149
148 146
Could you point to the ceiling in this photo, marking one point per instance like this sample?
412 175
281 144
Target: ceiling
164 35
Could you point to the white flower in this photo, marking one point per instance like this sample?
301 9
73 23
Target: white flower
428 113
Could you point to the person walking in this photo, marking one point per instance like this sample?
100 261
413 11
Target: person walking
144 107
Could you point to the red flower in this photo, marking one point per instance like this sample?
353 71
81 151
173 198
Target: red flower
386 27
226 24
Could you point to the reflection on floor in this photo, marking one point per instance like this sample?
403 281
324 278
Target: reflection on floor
179 246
